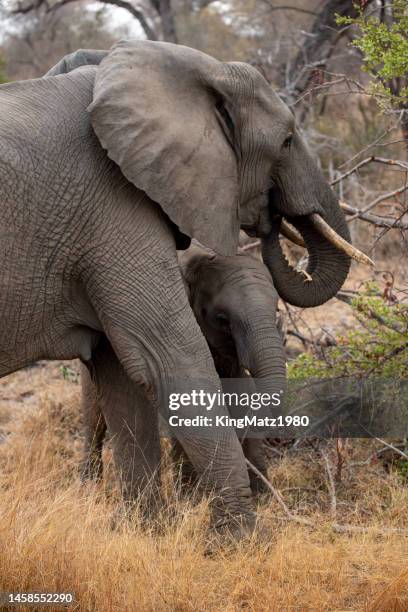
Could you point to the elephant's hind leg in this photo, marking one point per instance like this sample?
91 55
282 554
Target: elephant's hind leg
132 424
185 473
94 428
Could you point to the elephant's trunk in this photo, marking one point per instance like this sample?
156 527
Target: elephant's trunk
327 267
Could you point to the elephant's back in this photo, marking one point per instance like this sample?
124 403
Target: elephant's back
39 118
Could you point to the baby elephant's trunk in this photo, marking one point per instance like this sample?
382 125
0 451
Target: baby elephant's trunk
260 351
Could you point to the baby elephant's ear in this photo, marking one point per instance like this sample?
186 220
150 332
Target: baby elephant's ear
158 110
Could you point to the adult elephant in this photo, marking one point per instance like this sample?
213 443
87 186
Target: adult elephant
235 304
103 171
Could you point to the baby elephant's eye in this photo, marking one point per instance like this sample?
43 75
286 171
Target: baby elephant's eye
288 141
221 319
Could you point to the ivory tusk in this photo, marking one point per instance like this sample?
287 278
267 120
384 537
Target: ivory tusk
308 278
330 235
291 233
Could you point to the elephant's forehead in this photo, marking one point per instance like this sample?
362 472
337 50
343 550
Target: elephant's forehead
239 271
260 91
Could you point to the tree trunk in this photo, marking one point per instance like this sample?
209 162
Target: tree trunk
404 126
167 20
317 48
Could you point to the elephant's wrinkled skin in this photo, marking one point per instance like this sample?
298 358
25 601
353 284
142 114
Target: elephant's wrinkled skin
235 303
98 169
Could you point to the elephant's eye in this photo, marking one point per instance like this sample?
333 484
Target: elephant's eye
288 141
221 319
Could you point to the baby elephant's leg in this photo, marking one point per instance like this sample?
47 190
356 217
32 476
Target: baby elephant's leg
254 451
132 425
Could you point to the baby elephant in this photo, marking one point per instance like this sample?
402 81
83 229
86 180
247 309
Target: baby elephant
235 304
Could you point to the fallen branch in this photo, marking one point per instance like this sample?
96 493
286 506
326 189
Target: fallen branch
392 447
279 498
308 522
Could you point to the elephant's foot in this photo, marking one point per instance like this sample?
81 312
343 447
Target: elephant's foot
234 530
142 511
235 527
146 500
230 531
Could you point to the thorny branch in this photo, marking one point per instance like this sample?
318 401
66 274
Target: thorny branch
378 221
368 160
385 196
322 86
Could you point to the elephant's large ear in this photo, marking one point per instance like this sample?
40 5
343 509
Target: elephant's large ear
160 112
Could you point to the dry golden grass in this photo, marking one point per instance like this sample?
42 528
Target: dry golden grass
57 536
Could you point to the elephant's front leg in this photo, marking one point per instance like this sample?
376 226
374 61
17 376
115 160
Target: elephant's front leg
254 451
111 399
